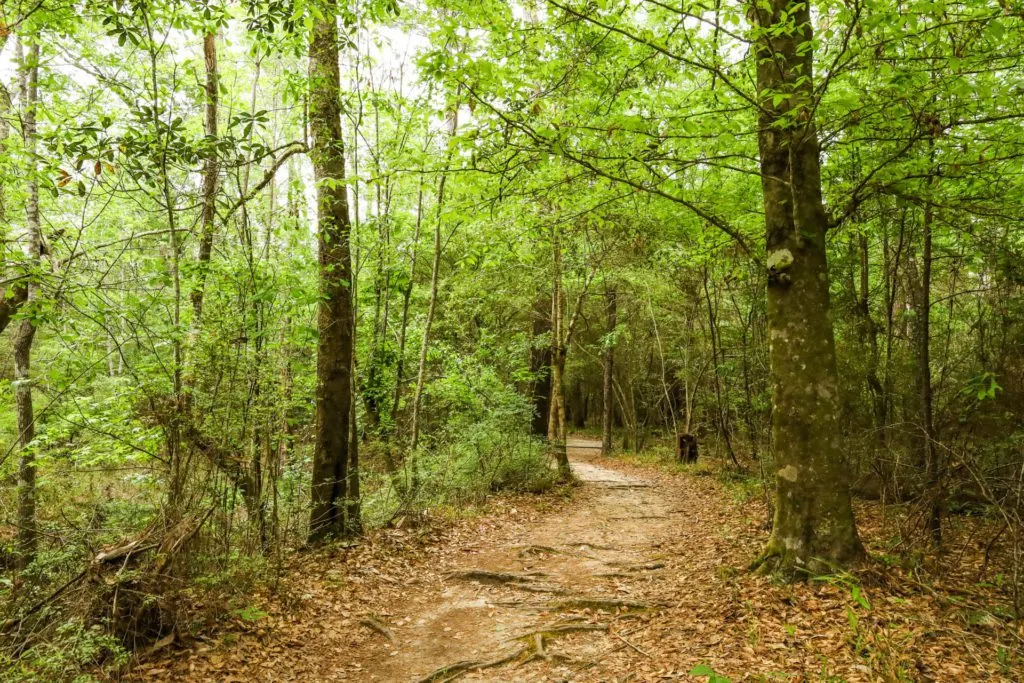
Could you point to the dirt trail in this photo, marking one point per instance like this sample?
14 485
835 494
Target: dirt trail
569 577
639 577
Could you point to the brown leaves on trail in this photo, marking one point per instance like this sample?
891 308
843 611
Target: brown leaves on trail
657 585
307 628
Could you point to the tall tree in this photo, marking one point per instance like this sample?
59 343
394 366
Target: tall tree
814 528
334 317
26 331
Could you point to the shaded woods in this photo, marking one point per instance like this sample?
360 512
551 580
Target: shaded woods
282 278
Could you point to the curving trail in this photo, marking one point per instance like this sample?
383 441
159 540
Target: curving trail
640 576
577 578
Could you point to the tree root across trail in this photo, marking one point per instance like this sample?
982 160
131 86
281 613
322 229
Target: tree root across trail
616 582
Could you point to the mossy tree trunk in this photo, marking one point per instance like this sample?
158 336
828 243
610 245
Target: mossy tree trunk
814 529
334 317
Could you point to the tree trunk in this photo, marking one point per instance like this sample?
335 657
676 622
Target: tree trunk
13 296
607 399
814 528
353 505
556 410
27 533
929 453
334 317
540 367
210 170
403 330
421 375
868 331
721 402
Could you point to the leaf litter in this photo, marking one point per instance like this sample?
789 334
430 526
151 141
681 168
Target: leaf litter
640 574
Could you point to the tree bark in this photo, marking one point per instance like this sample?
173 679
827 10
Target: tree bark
32 246
210 170
334 316
540 367
814 528
421 375
929 453
721 402
13 296
556 410
607 397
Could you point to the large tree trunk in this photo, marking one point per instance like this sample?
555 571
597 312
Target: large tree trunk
334 317
540 367
607 398
27 533
814 528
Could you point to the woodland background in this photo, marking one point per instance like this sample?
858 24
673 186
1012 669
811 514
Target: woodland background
163 279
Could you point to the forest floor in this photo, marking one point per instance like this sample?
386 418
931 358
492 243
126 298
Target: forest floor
639 574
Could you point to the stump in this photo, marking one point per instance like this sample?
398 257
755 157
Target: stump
686 448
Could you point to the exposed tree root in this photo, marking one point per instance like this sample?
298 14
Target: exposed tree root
595 546
494 578
451 672
539 588
560 629
523 582
609 604
529 550
380 627
645 567
549 657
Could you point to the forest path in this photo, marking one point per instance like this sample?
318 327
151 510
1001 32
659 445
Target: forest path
545 598
562 589
640 575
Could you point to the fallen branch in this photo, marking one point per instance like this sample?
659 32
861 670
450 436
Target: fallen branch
631 645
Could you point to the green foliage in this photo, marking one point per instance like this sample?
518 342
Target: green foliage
621 129
712 676
73 648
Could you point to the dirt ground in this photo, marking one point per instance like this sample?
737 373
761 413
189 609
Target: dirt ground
639 577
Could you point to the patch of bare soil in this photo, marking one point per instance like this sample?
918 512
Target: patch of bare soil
640 577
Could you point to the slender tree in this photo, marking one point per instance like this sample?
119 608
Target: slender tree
26 331
608 371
